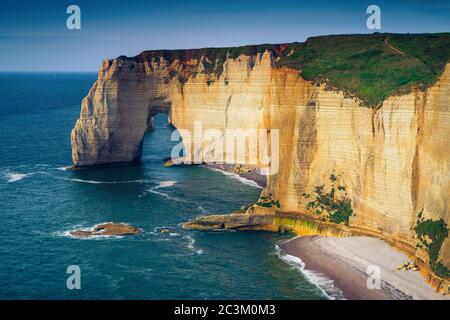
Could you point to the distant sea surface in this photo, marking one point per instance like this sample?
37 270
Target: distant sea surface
40 203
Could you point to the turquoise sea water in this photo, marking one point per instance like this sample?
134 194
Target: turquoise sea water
40 202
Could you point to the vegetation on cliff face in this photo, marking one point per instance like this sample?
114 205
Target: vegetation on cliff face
268 202
334 203
431 235
370 67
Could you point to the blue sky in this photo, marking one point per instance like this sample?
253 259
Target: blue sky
34 37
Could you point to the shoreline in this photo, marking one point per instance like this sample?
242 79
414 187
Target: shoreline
252 175
345 262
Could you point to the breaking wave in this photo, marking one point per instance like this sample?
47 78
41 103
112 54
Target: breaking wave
325 284
237 177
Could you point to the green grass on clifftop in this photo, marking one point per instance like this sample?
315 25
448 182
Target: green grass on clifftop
370 67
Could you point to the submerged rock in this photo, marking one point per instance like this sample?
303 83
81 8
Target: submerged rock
107 229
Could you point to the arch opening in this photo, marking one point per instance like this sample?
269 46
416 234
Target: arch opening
160 138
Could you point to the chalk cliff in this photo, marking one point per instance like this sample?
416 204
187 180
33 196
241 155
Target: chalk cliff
394 160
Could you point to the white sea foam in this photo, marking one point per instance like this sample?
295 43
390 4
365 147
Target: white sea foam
165 184
237 177
162 194
66 168
174 234
12 176
93 237
86 181
190 245
325 284
105 182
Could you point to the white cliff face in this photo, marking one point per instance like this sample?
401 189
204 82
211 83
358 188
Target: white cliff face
394 160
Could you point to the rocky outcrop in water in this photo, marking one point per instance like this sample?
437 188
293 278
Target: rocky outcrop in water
106 229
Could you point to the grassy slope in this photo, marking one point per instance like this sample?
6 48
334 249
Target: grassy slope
366 66
361 65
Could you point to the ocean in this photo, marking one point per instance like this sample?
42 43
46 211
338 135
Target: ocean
40 202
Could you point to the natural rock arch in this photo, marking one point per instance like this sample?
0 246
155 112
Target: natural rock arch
116 113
